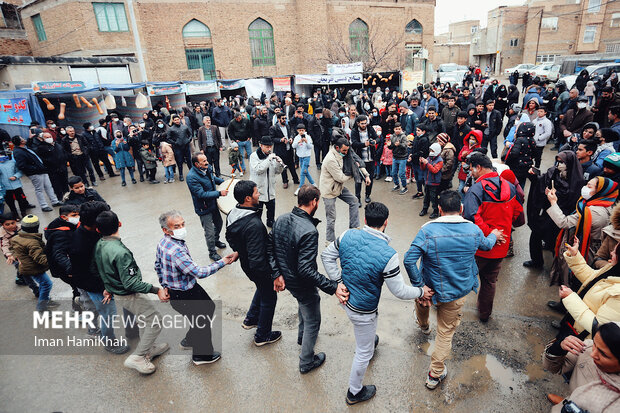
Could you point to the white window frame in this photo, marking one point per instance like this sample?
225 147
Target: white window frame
549 23
590 30
594 6
615 18
544 59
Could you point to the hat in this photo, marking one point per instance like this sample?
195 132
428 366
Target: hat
403 104
526 129
435 149
299 126
266 140
30 223
582 98
443 138
515 108
461 114
611 161
410 137
490 101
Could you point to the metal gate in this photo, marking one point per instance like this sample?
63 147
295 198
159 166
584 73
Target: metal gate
201 59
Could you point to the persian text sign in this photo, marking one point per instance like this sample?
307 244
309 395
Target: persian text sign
68 86
14 111
328 79
281 84
357 67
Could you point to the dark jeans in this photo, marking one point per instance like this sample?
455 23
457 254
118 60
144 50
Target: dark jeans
18 195
536 250
101 155
538 151
213 157
290 163
488 269
320 150
309 323
370 167
150 174
431 196
263 308
140 167
271 211
486 139
195 302
182 155
212 226
78 167
60 182
419 175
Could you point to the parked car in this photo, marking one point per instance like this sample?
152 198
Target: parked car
450 72
595 71
522 68
546 71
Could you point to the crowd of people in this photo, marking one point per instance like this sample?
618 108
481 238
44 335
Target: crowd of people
443 138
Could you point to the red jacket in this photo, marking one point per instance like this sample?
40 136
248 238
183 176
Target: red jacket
466 150
492 203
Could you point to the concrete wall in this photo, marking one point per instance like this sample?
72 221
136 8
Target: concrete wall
451 53
16 75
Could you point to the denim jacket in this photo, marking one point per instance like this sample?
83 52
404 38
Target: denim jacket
446 249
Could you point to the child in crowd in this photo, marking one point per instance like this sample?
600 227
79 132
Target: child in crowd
234 159
8 230
471 141
10 181
589 91
387 158
400 154
432 165
28 248
167 159
303 147
79 194
150 161
409 172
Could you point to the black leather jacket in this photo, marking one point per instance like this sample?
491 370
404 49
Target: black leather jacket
296 244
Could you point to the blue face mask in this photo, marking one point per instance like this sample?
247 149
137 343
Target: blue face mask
342 154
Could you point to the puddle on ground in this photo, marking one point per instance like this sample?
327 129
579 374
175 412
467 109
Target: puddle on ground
479 371
428 347
507 378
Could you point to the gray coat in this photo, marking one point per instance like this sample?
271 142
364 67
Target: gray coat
263 171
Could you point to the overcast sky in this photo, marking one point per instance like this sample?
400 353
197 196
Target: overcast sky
451 11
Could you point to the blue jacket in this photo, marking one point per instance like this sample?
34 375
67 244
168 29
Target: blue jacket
433 178
363 257
409 122
8 169
446 247
202 186
427 104
222 116
123 158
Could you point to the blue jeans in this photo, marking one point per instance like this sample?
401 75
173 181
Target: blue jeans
388 169
106 311
236 167
419 175
169 172
45 286
304 163
245 146
399 168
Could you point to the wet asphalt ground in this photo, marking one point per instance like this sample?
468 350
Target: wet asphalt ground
495 367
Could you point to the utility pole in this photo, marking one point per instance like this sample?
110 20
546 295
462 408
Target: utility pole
136 39
538 38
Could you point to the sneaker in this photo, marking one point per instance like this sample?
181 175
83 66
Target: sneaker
367 393
215 256
198 360
248 325
319 359
47 209
155 181
141 179
273 337
403 191
232 175
285 185
418 195
51 304
123 183
423 212
95 183
57 204
388 179
433 215
426 330
532 264
94 332
433 382
396 188
140 363
219 244
76 304
133 181
102 178
157 350
184 345
166 181
19 281
367 200
172 180
117 349
241 174
180 179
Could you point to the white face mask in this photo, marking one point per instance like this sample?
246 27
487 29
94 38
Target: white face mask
582 105
53 125
586 193
180 233
91 128
73 220
48 140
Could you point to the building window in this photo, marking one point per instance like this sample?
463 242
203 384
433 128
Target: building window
474 29
358 39
38 26
549 23
414 27
546 58
201 59
589 34
594 6
111 17
261 43
514 42
615 20
10 17
612 48
196 29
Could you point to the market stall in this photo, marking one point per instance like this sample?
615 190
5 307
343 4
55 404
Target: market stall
18 108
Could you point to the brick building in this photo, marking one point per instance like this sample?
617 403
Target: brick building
13 40
233 38
454 46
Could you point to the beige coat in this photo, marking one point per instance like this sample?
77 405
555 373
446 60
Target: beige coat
586 387
610 240
167 154
332 177
601 301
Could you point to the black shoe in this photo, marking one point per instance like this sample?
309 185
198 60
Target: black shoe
367 393
299 340
95 183
376 340
141 179
30 206
273 337
47 209
433 215
319 359
117 349
423 212
367 200
19 281
556 324
184 345
181 178
418 195
35 291
102 178
215 256
532 264
220 244
248 324
124 184
557 306
133 181
270 224
58 204
112 175
198 360
154 181
359 204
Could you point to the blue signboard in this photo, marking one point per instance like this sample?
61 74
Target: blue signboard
14 111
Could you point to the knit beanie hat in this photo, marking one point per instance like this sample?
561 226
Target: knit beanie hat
612 161
234 145
403 104
30 223
435 149
443 138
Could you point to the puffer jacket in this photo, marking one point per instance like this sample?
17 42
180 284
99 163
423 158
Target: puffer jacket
601 302
203 188
295 244
587 389
520 158
448 154
28 248
167 154
179 136
466 150
263 172
58 235
433 170
247 235
399 152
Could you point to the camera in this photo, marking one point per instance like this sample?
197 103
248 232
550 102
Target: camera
571 407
